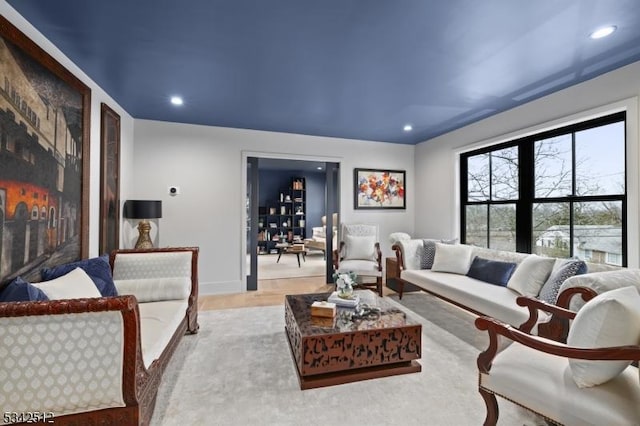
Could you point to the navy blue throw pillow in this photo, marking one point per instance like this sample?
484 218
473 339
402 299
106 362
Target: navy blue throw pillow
491 271
20 290
97 268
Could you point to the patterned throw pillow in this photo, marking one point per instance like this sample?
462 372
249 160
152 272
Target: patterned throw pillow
20 290
428 253
549 291
97 268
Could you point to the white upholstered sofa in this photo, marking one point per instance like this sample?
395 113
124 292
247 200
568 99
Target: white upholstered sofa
100 360
469 293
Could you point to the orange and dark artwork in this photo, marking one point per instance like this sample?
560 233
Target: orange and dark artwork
379 189
44 143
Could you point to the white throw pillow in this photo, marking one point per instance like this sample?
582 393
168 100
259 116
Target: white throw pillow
361 247
531 274
74 285
609 319
453 258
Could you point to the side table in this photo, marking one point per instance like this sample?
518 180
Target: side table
391 276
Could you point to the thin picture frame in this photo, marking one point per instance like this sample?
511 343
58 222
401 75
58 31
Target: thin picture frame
379 189
109 180
44 153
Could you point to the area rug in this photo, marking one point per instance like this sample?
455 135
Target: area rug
287 267
238 370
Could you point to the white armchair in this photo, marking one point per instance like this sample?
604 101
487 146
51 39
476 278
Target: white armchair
359 252
587 381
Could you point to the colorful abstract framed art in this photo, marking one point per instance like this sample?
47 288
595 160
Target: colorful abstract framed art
44 159
379 189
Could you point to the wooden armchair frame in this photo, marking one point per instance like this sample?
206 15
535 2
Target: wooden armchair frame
337 257
522 335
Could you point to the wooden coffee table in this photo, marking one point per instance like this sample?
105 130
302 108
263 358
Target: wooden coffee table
334 351
296 249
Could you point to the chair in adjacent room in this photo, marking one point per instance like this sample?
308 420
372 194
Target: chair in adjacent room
359 252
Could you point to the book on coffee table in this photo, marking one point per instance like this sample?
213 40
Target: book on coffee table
339 301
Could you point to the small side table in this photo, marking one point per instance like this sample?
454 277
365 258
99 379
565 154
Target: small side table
391 276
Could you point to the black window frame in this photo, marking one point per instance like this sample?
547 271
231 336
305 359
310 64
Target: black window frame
526 194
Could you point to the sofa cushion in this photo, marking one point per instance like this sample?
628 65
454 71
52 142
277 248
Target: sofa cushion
492 300
454 258
491 271
531 274
73 285
609 319
360 247
543 384
360 268
158 322
20 290
156 289
97 268
550 289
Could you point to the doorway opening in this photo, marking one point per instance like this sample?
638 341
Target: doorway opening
287 219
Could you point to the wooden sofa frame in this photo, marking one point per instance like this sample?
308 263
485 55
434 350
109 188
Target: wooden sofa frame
140 384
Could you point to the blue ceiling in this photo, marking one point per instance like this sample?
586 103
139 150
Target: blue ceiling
358 69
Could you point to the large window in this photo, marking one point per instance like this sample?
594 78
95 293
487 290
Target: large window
560 193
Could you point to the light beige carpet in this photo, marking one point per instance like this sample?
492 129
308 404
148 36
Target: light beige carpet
238 371
269 269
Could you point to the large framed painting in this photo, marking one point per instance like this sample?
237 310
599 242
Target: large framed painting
44 159
109 179
379 189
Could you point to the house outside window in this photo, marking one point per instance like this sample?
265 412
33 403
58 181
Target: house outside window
560 193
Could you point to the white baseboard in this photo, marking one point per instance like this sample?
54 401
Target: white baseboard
222 287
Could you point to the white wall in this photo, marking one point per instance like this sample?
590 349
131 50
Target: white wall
209 165
437 160
98 96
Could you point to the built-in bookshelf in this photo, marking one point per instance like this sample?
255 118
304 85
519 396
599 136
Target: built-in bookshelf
282 219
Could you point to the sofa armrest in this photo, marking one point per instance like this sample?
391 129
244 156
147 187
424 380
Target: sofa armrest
411 253
95 345
600 282
497 328
544 329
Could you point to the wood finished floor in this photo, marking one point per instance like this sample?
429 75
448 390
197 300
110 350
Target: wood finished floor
270 292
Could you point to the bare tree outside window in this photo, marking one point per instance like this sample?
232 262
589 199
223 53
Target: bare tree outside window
577 195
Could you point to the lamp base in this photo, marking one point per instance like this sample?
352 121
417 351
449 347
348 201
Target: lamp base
144 240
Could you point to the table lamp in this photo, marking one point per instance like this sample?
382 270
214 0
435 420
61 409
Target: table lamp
145 210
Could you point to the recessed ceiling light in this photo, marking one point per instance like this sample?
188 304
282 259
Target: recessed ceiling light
603 32
408 127
319 167
176 100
